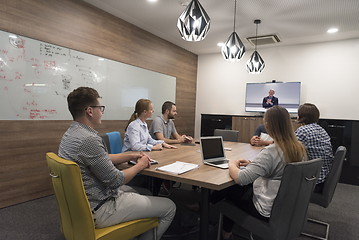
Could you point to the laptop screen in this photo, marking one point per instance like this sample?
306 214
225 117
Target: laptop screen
212 147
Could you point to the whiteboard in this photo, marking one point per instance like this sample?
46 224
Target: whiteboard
36 77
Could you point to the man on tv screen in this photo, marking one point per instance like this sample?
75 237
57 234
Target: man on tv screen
270 100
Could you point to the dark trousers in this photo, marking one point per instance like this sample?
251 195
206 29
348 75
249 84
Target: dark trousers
241 196
319 188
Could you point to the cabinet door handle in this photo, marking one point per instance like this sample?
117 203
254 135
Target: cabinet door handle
336 126
310 178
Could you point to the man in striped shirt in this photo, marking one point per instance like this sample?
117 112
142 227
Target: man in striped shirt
111 201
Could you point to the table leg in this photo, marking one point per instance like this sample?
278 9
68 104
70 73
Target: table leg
204 214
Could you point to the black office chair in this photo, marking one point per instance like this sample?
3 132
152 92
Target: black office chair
325 197
289 209
106 142
227 135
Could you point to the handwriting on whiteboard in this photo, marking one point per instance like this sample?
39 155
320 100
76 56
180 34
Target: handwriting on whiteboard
36 78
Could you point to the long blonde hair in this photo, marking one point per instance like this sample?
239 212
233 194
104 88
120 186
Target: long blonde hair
279 127
141 106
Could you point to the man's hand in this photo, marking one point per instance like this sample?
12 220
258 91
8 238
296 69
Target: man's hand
187 139
255 140
143 162
182 139
135 156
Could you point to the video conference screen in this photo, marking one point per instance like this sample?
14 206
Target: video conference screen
287 94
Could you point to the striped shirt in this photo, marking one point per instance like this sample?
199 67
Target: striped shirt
100 177
317 142
137 137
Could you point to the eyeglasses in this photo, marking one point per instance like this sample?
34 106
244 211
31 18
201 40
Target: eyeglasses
102 108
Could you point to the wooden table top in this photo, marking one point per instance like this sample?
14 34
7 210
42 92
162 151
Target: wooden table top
205 176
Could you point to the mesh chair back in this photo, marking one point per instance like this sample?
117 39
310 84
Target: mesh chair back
290 207
325 197
227 135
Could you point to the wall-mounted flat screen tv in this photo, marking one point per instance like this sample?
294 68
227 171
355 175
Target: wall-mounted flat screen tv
287 94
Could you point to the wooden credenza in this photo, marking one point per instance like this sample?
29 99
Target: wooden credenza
246 125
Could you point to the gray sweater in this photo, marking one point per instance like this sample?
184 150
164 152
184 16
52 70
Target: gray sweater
265 172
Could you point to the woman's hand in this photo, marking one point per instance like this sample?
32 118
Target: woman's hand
165 145
239 163
233 164
243 162
157 147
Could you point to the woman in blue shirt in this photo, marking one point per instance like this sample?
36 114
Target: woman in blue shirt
137 137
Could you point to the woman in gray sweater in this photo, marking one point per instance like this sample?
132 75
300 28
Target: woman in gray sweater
259 181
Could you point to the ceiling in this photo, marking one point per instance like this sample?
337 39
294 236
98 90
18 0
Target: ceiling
294 21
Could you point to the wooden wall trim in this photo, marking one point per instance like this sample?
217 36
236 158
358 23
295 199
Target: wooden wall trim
80 26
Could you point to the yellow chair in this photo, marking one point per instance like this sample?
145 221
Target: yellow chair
76 217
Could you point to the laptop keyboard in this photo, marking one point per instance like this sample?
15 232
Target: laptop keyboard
219 162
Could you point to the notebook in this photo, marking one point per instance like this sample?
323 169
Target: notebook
213 152
178 167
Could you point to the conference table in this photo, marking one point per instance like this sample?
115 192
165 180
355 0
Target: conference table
206 177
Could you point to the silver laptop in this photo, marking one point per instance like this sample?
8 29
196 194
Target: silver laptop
213 152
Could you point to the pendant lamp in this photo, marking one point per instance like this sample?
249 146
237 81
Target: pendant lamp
194 22
256 64
233 49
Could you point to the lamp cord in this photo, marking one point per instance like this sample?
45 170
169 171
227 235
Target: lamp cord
235 13
256 36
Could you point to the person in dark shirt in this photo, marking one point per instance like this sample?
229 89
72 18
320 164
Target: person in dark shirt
261 137
270 100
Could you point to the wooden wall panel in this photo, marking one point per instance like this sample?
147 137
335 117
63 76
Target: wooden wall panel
80 26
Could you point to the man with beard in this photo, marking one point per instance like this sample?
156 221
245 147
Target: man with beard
163 127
